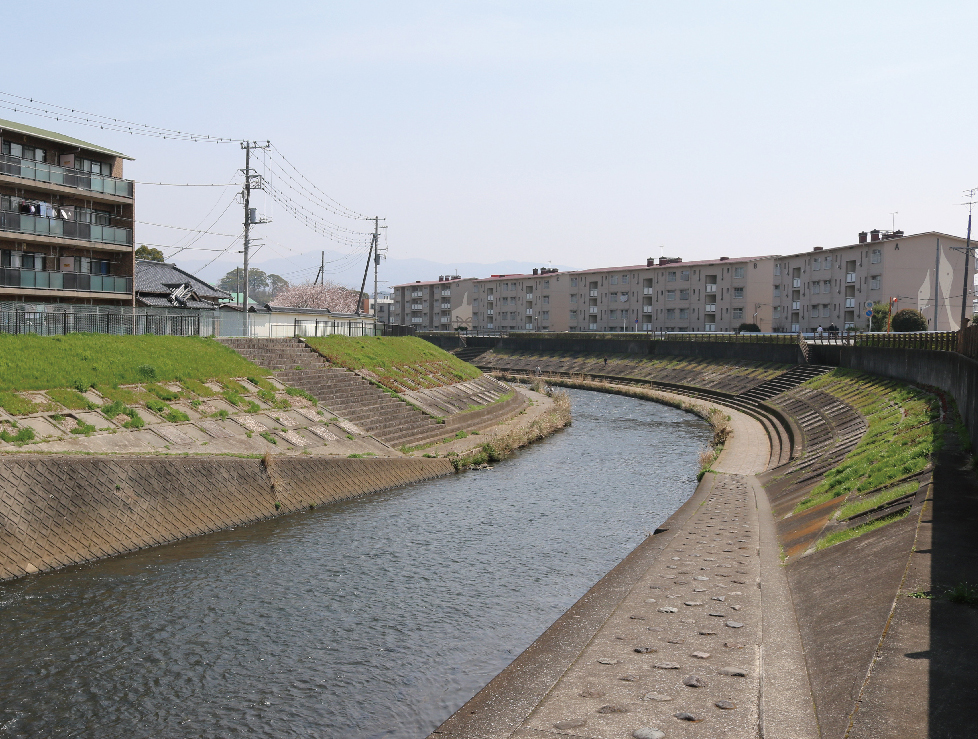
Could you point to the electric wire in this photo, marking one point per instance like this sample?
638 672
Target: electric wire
351 213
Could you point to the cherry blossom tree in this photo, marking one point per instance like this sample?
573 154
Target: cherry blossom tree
329 296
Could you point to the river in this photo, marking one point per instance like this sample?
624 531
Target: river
376 617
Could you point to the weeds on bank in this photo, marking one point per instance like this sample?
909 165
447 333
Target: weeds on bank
837 537
861 505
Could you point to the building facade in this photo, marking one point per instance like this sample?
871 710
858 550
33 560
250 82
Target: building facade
791 293
66 220
444 304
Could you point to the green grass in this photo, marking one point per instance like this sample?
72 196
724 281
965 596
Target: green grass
157 406
233 398
234 386
71 399
837 537
23 435
269 397
197 388
262 383
855 507
122 394
300 393
16 405
964 593
398 361
161 392
29 362
175 416
269 438
83 428
904 432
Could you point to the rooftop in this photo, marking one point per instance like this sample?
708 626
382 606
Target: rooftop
58 138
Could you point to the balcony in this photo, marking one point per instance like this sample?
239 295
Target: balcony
648 309
593 293
446 293
416 306
796 305
446 306
850 302
646 326
417 294
850 278
445 319
529 311
593 310
64 281
489 312
41 172
489 297
647 291
529 296
592 327
42 226
415 319
711 287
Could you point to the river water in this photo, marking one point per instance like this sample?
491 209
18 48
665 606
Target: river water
376 617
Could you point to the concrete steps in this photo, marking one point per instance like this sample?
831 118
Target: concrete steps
784 382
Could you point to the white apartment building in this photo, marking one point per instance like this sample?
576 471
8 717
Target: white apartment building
444 304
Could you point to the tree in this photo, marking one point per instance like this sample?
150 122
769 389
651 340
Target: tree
749 327
908 320
262 287
147 252
329 296
880 315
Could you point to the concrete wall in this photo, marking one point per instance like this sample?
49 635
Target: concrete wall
57 511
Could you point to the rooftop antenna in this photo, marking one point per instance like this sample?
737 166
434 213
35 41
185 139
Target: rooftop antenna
893 216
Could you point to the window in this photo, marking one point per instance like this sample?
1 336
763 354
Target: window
816 264
825 309
738 292
613 297
738 272
613 314
828 262
874 282
624 297
573 282
777 291
777 270
544 315
684 312
505 287
573 315
776 313
670 294
877 256
574 298
684 275
738 314
816 286
814 311
670 276
670 314
624 279
546 284
684 294
827 286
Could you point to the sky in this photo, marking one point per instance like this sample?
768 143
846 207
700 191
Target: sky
583 134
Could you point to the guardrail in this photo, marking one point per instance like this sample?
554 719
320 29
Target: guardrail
127 324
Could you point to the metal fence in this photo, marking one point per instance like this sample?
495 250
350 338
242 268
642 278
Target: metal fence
131 324
304 327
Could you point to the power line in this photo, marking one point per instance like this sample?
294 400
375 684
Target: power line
175 184
352 213
182 228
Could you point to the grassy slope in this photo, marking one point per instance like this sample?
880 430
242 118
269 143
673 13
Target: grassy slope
44 362
393 357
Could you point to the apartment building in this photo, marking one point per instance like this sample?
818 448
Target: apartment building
66 220
790 293
444 304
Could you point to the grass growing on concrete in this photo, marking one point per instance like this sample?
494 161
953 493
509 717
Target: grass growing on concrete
16 405
29 362
399 362
904 433
71 399
837 537
855 507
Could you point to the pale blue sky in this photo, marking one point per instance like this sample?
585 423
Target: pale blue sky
587 134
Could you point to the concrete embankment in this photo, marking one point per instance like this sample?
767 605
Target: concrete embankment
57 511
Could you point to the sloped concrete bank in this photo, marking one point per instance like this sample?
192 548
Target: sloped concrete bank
57 511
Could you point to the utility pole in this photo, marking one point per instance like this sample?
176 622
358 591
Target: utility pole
249 219
937 279
967 258
366 268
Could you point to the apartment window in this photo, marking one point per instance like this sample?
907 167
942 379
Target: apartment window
874 282
573 315
544 315
777 270
684 294
624 279
877 256
738 272
684 312
684 275
670 314
573 298
738 314
670 294
816 286
670 276
624 297
614 280
738 292
505 288
816 264
827 286
814 311
613 314
777 291
776 312
828 262
613 298
573 282
546 284
710 327
825 309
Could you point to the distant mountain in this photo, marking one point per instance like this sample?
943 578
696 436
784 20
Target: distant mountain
303 268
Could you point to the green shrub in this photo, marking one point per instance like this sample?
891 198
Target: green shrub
222 414
83 428
176 416
269 438
908 320
147 371
233 398
157 406
253 407
71 399
234 386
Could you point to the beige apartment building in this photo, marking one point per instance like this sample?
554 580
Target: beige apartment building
444 304
66 220
780 293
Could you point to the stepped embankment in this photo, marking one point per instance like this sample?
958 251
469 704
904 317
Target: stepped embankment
791 596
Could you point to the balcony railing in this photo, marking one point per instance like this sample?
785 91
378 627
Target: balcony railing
446 306
850 277
648 309
796 305
796 282
529 296
593 293
489 297
416 306
417 294
445 319
711 287
648 291
850 302
35 279
446 293
592 309
43 226
43 172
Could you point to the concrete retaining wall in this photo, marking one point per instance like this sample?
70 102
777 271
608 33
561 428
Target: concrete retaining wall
57 511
